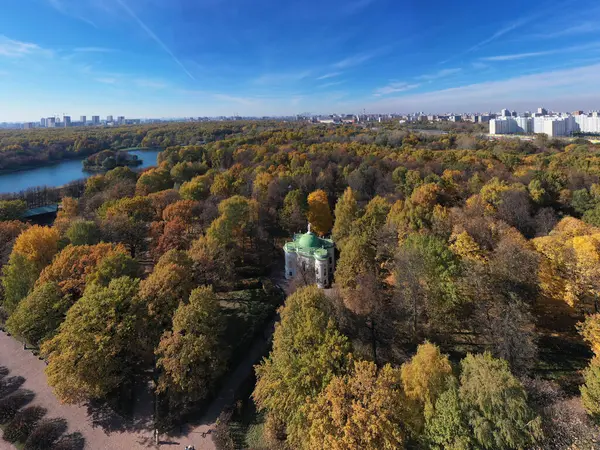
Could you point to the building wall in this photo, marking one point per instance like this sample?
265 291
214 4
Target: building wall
323 269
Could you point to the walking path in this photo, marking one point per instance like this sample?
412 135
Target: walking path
101 427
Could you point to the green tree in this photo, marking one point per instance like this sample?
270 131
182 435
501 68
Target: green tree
373 220
96 348
447 428
192 355
293 214
115 265
18 279
153 180
83 232
346 212
495 404
308 351
360 411
38 316
198 188
590 391
12 209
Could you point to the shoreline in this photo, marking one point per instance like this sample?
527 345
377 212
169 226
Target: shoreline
73 158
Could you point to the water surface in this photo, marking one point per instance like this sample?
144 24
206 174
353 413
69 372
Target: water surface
62 173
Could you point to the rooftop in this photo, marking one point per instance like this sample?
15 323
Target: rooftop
309 244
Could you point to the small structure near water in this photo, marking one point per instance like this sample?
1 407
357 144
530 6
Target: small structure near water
310 254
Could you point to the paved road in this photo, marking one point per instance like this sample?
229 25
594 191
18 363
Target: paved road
102 429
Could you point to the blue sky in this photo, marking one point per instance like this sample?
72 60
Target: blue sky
175 58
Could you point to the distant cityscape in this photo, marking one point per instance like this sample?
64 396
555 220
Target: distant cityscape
505 122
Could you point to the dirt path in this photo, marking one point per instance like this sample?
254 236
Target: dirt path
101 428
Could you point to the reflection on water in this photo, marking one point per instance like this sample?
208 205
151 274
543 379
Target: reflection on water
62 173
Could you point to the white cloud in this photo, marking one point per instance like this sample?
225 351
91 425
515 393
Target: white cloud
516 56
562 89
329 75
439 74
355 60
394 88
17 49
580 28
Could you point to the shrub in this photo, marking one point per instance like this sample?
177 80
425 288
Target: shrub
24 422
46 434
222 434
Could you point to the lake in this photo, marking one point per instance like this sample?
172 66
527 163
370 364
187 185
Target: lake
62 173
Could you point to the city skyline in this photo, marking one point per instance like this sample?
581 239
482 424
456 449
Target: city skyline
153 58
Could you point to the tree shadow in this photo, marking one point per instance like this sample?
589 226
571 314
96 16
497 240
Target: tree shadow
46 434
9 406
103 416
73 441
3 372
10 385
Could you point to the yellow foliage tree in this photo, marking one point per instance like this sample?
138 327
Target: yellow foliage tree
38 244
319 213
361 411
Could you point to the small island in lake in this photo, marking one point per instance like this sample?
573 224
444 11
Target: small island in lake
109 159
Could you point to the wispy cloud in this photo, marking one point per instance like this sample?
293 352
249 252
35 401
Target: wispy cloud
516 56
154 37
580 28
330 84
93 50
329 75
478 65
395 87
17 49
152 84
67 10
282 78
566 89
527 55
355 60
439 74
106 80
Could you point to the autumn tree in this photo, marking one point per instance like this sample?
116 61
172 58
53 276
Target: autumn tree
308 352
319 213
198 188
293 214
38 244
237 224
424 378
38 316
362 410
114 265
96 348
590 330
212 264
73 265
153 180
346 212
160 293
191 355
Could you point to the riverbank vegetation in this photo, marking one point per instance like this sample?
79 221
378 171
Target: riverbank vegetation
107 160
465 306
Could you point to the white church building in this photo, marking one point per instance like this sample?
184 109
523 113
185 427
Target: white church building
309 252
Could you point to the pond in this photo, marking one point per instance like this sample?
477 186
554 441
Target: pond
62 173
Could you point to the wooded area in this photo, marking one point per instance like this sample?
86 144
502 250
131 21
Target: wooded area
464 314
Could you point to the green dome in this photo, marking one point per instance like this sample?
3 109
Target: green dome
309 240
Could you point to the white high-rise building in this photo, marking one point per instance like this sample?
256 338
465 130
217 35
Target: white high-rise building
83 120
95 120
